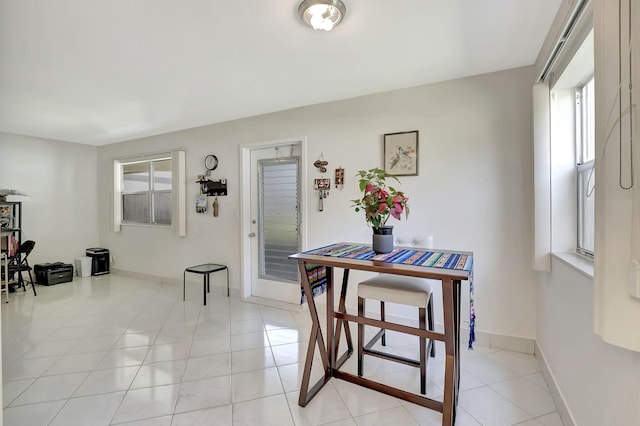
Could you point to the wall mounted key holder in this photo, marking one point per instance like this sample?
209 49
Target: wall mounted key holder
215 187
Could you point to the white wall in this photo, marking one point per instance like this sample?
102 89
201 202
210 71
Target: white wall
473 192
600 383
61 212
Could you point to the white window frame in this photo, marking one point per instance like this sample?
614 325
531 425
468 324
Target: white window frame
585 155
178 191
556 156
151 220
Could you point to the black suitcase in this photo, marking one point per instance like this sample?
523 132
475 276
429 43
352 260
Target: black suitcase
53 273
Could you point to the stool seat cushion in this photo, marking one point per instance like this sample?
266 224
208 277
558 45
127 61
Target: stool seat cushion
410 291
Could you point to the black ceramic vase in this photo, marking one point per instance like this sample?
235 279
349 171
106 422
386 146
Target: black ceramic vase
383 239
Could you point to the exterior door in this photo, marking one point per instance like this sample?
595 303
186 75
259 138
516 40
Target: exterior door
275 225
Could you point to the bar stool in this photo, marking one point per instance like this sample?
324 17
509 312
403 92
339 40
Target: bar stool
409 291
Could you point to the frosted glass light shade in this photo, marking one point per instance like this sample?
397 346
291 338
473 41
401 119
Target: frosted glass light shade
322 14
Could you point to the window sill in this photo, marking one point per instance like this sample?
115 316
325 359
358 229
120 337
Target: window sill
145 225
577 262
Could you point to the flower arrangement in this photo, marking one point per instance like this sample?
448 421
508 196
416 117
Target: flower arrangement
379 201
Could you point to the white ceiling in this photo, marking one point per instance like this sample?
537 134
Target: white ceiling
98 72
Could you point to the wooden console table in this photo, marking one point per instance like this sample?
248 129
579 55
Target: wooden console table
338 320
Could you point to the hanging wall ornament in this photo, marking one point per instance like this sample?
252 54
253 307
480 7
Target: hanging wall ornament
214 206
339 177
322 185
321 164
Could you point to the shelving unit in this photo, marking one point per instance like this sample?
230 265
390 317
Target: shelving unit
10 237
4 276
10 226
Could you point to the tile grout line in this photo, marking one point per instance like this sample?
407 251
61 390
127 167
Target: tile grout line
134 376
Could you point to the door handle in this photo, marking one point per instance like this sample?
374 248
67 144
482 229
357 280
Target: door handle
251 235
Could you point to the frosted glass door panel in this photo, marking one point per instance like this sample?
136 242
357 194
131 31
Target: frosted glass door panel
279 219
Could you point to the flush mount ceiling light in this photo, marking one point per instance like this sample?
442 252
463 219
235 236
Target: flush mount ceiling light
322 14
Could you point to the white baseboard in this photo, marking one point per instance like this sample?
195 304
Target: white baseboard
275 304
220 288
556 393
512 343
145 277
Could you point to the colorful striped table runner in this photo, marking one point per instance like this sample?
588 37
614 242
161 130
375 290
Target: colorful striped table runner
405 256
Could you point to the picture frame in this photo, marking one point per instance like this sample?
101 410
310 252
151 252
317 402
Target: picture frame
401 153
322 184
201 204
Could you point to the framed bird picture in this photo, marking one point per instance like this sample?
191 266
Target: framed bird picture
401 153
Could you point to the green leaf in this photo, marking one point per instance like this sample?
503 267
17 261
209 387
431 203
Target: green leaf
369 204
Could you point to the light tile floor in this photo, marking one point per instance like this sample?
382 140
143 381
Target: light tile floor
114 350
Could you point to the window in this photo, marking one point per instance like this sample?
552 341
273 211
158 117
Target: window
146 191
564 153
585 154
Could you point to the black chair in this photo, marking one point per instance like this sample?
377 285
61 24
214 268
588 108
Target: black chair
19 264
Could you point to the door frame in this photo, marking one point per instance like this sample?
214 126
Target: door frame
245 202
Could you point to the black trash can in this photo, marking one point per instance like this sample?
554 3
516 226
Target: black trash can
99 260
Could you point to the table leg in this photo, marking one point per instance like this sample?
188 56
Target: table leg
227 269
331 342
204 287
450 381
184 276
456 289
347 331
315 338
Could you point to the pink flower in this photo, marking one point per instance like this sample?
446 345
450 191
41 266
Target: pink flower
381 193
378 200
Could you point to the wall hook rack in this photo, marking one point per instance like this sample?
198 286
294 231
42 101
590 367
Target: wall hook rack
211 187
